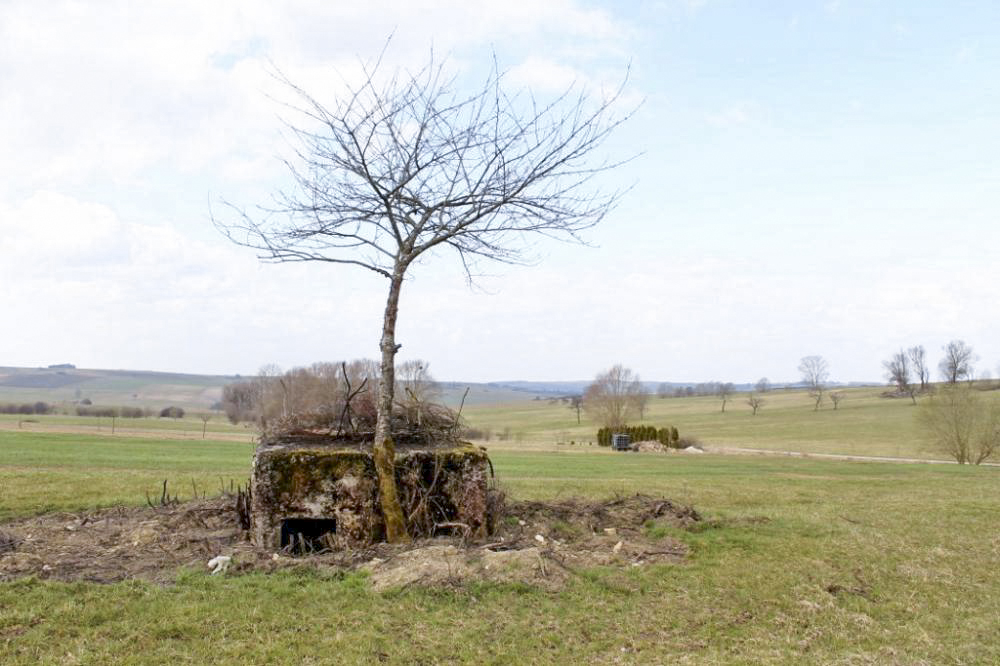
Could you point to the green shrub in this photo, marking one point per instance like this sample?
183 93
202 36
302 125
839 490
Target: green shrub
667 436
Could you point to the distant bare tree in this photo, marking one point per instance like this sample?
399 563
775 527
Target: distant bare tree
612 397
957 362
918 361
897 372
963 424
416 389
401 166
241 400
724 390
576 404
205 418
415 377
663 390
641 402
835 398
273 391
755 402
815 372
763 385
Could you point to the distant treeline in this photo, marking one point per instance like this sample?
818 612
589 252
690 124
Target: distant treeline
91 410
114 412
703 388
26 408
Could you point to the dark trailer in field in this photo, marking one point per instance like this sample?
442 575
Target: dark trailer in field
621 442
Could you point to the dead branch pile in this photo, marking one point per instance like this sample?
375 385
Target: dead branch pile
429 424
8 543
536 543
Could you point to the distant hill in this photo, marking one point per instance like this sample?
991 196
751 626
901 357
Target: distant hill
65 383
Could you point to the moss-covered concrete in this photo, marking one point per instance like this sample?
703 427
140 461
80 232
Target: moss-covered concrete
441 489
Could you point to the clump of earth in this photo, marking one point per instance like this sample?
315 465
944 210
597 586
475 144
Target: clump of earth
541 543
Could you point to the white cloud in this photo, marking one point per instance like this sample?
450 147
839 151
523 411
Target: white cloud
545 75
732 116
83 283
967 52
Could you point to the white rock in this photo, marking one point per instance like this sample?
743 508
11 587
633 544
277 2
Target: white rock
539 538
611 530
618 547
219 563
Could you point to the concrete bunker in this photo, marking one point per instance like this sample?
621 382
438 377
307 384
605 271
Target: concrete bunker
315 492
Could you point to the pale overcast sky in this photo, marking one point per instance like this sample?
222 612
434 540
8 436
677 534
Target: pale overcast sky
816 178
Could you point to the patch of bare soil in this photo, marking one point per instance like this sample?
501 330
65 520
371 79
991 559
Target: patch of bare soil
541 543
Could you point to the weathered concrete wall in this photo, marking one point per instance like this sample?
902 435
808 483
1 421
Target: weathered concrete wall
322 480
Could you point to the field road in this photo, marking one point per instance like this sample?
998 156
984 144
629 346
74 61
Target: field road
736 450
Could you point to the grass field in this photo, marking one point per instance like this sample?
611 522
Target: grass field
806 561
189 427
865 424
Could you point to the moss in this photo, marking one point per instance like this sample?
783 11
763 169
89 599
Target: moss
295 472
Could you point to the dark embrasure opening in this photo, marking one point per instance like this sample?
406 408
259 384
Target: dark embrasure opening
307 535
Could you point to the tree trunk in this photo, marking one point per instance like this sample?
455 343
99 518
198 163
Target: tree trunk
384 449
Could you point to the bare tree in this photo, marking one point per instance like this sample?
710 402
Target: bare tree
755 402
835 398
241 400
663 390
404 165
415 389
897 371
612 397
918 361
641 402
273 391
723 390
815 371
962 423
576 404
957 362
763 385
205 418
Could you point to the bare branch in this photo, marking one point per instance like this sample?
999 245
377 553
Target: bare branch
406 163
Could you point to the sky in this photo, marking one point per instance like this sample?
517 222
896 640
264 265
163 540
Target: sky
810 178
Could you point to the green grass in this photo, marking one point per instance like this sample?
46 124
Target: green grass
865 424
51 471
804 561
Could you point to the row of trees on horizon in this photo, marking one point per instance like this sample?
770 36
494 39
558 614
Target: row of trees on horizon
618 395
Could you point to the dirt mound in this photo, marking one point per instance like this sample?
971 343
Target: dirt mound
650 446
539 543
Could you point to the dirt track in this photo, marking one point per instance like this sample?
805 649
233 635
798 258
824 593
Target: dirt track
736 450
